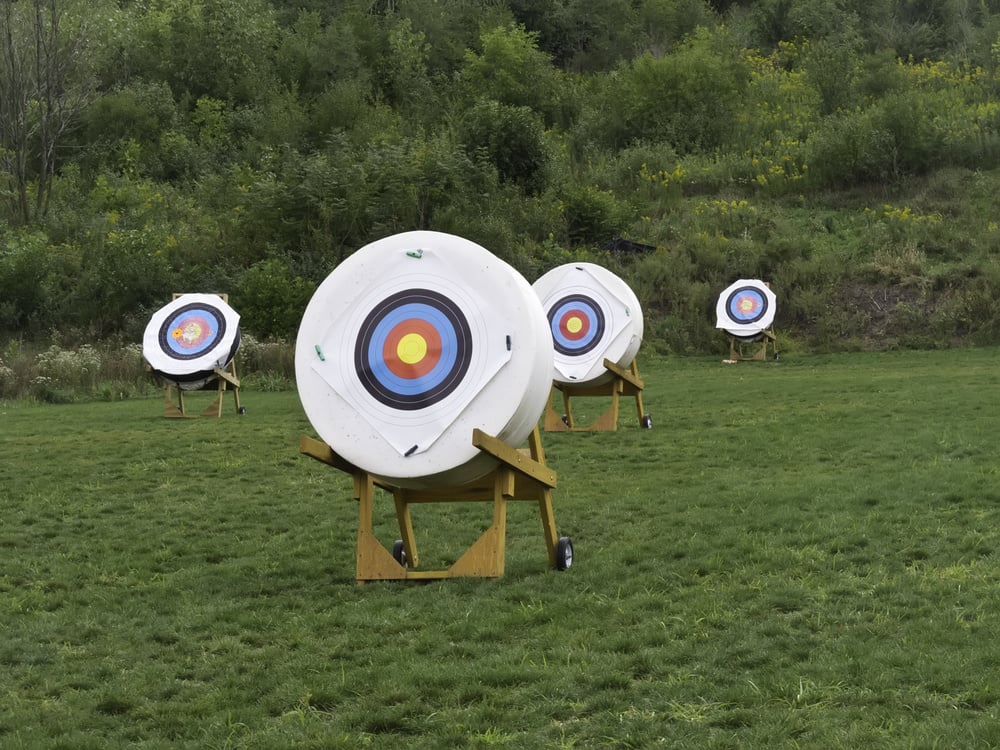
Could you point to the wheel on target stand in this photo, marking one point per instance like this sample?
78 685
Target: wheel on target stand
399 552
564 553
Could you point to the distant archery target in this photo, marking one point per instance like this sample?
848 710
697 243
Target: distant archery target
188 338
191 331
413 350
745 308
413 342
593 315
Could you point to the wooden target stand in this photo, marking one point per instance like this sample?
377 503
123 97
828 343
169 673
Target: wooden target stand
521 475
755 350
175 408
623 383
225 378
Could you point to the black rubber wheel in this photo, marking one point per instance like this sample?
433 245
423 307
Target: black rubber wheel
646 422
243 410
399 552
564 553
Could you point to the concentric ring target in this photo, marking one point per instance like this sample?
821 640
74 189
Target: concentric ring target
189 337
577 324
593 316
413 342
747 305
745 308
191 330
413 350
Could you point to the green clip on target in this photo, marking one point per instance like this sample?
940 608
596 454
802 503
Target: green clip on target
592 315
189 337
411 343
745 309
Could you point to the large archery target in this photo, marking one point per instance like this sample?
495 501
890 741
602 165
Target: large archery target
186 339
745 308
593 315
413 342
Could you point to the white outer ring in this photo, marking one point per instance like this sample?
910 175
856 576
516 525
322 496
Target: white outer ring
507 406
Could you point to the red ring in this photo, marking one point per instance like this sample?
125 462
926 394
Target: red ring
574 336
412 370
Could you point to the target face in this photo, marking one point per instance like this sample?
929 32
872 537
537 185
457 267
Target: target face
577 324
411 343
745 308
189 337
593 315
191 331
413 349
747 305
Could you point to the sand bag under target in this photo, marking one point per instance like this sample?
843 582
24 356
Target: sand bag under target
189 337
411 343
592 315
745 308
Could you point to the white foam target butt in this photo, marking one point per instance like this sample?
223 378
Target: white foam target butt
745 308
410 344
592 315
186 339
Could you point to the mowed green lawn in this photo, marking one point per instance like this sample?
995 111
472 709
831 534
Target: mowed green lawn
800 553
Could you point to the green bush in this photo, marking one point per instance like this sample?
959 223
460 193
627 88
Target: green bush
271 301
512 139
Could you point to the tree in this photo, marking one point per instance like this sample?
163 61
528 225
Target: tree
43 90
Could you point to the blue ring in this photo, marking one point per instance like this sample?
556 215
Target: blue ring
595 316
169 345
738 317
449 349
456 349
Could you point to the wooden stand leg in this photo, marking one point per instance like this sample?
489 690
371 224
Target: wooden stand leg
373 562
406 529
170 409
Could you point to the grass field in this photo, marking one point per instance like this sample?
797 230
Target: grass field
799 554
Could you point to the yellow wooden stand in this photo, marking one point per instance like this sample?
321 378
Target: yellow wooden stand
623 383
174 406
520 475
743 350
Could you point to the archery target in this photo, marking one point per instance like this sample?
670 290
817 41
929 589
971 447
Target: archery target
413 349
186 339
592 315
411 343
745 308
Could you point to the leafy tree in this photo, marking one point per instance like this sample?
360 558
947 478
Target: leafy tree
271 300
689 98
216 48
830 67
512 139
138 114
510 70
665 23
577 33
313 55
44 86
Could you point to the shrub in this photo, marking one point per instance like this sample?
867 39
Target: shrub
270 300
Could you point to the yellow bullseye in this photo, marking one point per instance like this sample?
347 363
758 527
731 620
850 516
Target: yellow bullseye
574 324
412 348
